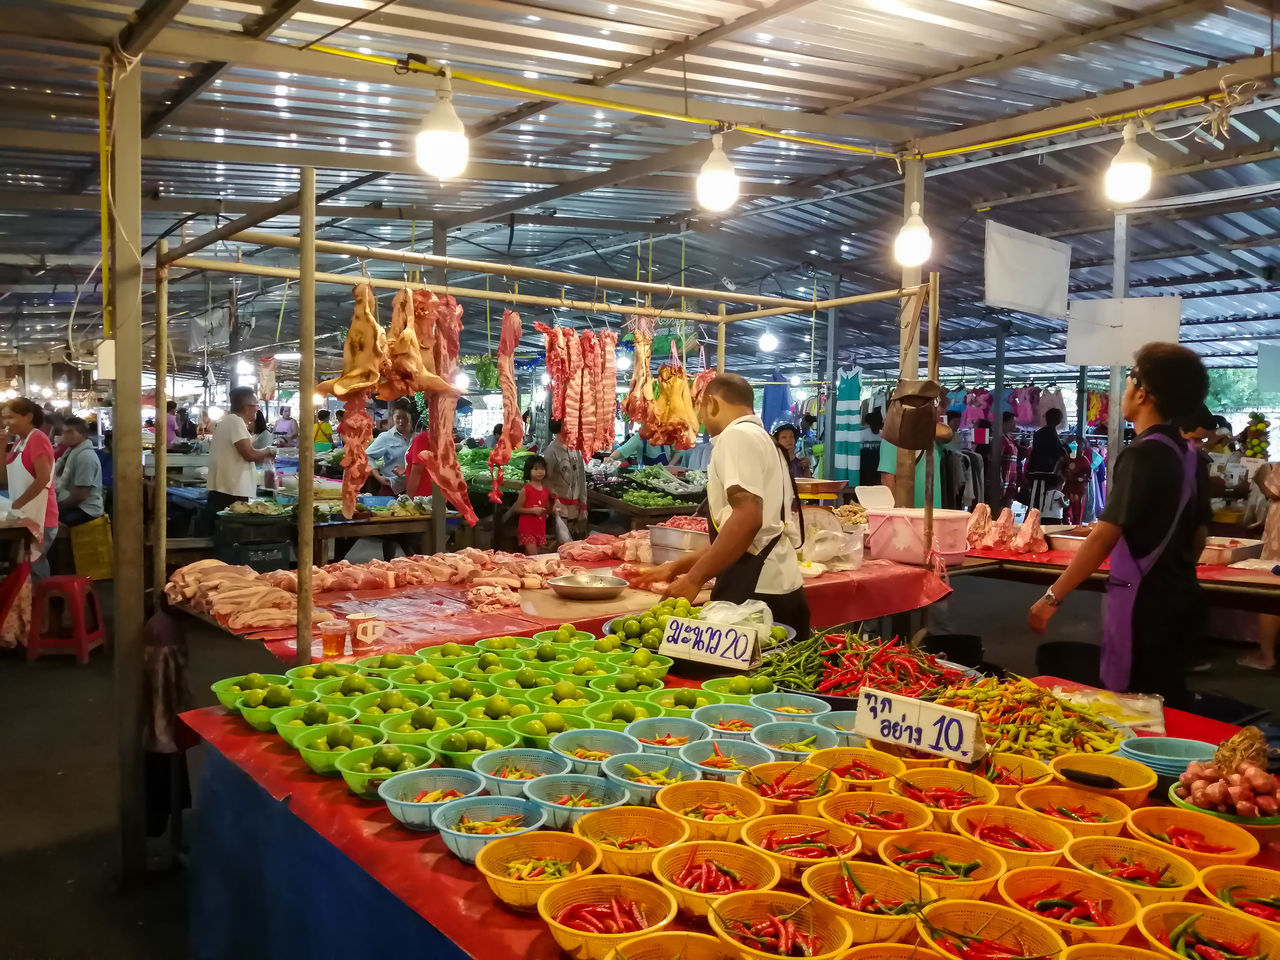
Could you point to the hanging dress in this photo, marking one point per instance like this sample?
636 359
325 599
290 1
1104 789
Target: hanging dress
847 460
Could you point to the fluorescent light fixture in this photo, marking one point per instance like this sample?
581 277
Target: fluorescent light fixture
717 186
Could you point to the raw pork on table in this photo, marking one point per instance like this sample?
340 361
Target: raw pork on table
1030 536
979 525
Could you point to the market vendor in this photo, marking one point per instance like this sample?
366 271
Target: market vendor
567 480
390 448
635 449
232 456
1152 528
286 427
754 537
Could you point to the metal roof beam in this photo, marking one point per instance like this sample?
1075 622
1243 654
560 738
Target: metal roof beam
146 23
1266 274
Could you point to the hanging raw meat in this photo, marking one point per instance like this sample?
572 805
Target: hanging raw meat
589 348
699 388
441 457
405 370
363 351
638 403
357 431
557 366
674 421
569 436
607 405
512 424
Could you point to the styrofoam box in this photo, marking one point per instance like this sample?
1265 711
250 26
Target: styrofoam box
897 533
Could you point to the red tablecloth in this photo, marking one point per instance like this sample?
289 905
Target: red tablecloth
1061 558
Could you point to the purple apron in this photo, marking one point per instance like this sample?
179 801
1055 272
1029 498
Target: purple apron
1127 573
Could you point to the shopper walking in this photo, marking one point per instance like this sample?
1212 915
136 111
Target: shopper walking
30 470
1152 528
1044 467
567 480
232 456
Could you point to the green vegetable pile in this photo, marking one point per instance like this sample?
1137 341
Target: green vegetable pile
650 498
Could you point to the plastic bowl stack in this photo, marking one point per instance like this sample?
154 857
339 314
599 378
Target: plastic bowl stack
1167 756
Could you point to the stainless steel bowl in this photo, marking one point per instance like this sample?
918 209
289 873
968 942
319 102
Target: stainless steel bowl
587 586
677 537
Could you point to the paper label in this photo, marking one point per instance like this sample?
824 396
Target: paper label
735 647
919 725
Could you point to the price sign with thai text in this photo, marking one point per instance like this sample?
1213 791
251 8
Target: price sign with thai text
919 725
735 647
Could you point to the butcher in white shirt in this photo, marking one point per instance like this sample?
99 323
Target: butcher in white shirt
755 531
232 457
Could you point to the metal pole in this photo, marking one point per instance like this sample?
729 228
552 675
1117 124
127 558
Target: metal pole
1082 403
130 578
935 296
1119 289
439 245
829 422
159 448
909 332
720 342
995 461
306 404
256 216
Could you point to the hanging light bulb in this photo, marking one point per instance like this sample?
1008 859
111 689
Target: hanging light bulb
796 381
717 182
441 146
1129 176
913 244
460 380
624 361
768 342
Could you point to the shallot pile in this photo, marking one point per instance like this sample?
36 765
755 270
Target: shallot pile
1248 792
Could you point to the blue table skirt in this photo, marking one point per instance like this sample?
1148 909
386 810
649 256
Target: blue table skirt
266 885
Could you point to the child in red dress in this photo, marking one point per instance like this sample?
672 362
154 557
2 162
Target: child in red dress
534 504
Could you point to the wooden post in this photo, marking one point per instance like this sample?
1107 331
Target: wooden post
159 447
306 405
829 422
720 342
1119 288
909 332
931 452
996 460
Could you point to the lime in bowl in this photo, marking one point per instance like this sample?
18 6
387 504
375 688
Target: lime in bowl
310 676
343 690
537 729
383 665
459 747
321 746
367 768
373 708
738 689
291 722
418 727
260 707
231 689
423 675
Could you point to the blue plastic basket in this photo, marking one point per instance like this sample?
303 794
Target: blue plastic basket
713 713
467 846
744 751
772 701
643 794
542 762
398 793
845 719
676 726
788 731
592 738
372 500
1166 751
545 790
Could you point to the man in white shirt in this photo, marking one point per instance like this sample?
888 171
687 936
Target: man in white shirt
754 533
231 454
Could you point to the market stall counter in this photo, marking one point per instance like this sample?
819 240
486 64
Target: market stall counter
639 516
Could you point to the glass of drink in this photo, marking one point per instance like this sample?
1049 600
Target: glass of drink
333 638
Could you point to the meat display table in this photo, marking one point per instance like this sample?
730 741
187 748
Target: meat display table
331 530
639 517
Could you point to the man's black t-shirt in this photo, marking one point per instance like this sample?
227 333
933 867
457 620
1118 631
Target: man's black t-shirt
1047 449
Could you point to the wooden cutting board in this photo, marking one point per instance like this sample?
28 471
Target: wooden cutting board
548 604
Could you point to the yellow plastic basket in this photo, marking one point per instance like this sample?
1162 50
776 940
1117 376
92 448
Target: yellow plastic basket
837 834
1118 903
796 772
911 759
92 549
1254 882
924 779
831 933
963 849
753 868
971 819
892 951
842 805
661 827
1027 768
1108 951
658 905
493 858
668 944
834 757
1052 795
679 797
824 881
1092 853
1135 779
1145 823
992 921
1157 920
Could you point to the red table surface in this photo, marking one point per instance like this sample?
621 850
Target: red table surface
1061 558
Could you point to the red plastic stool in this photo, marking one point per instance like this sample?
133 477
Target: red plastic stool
51 632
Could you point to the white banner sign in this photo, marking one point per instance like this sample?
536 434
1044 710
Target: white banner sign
1106 333
919 725
735 647
1269 368
1025 272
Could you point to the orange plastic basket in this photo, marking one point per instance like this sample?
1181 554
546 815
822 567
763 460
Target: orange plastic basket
1144 824
831 933
963 849
658 905
1107 951
753 867
971 819
1254 882
1028 768
892 951
1118 903
668 944
992 921
679 797
493 858
754 834
834 757
841 805
824 881
941 777
1052 795
1092 854
1135 779
911 759
623 822
1156 921
768 772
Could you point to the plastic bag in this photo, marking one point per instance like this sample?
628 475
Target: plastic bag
736 614
837 550
562 530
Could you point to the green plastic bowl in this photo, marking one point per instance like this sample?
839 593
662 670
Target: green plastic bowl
519 726
564 671
587 648
366 784
282 721
324 762
469 668
432 654
549 636
403 679
720 687
228 697
530 655
452 719
486 722
503 736
605 685
263 718
662 699
658 665
496 645
439 693
373 718
600 714
369 665
541 702
507 679
328 690
300 682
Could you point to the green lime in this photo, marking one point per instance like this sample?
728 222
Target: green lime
684 697
761 684
253 681
526 678
520 710
623 711
487 660
648 623
392 700
454 743
778 633
427 673
315 713
564 690
475 739
645 678
740 686
326 670
391 661
253 698
450 650
353 685
554 723
496 708
535 728
631 627
424 718
641 658
276 696
388 755
546 653
461 689
625 682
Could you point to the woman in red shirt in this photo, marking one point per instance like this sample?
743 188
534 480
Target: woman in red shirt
30 473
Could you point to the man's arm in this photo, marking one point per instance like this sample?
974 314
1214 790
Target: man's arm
246 451
1096 548
75 497
732 541
889 480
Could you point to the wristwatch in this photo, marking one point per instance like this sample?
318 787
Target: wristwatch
1051 598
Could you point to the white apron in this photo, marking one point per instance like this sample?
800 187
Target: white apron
34 512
